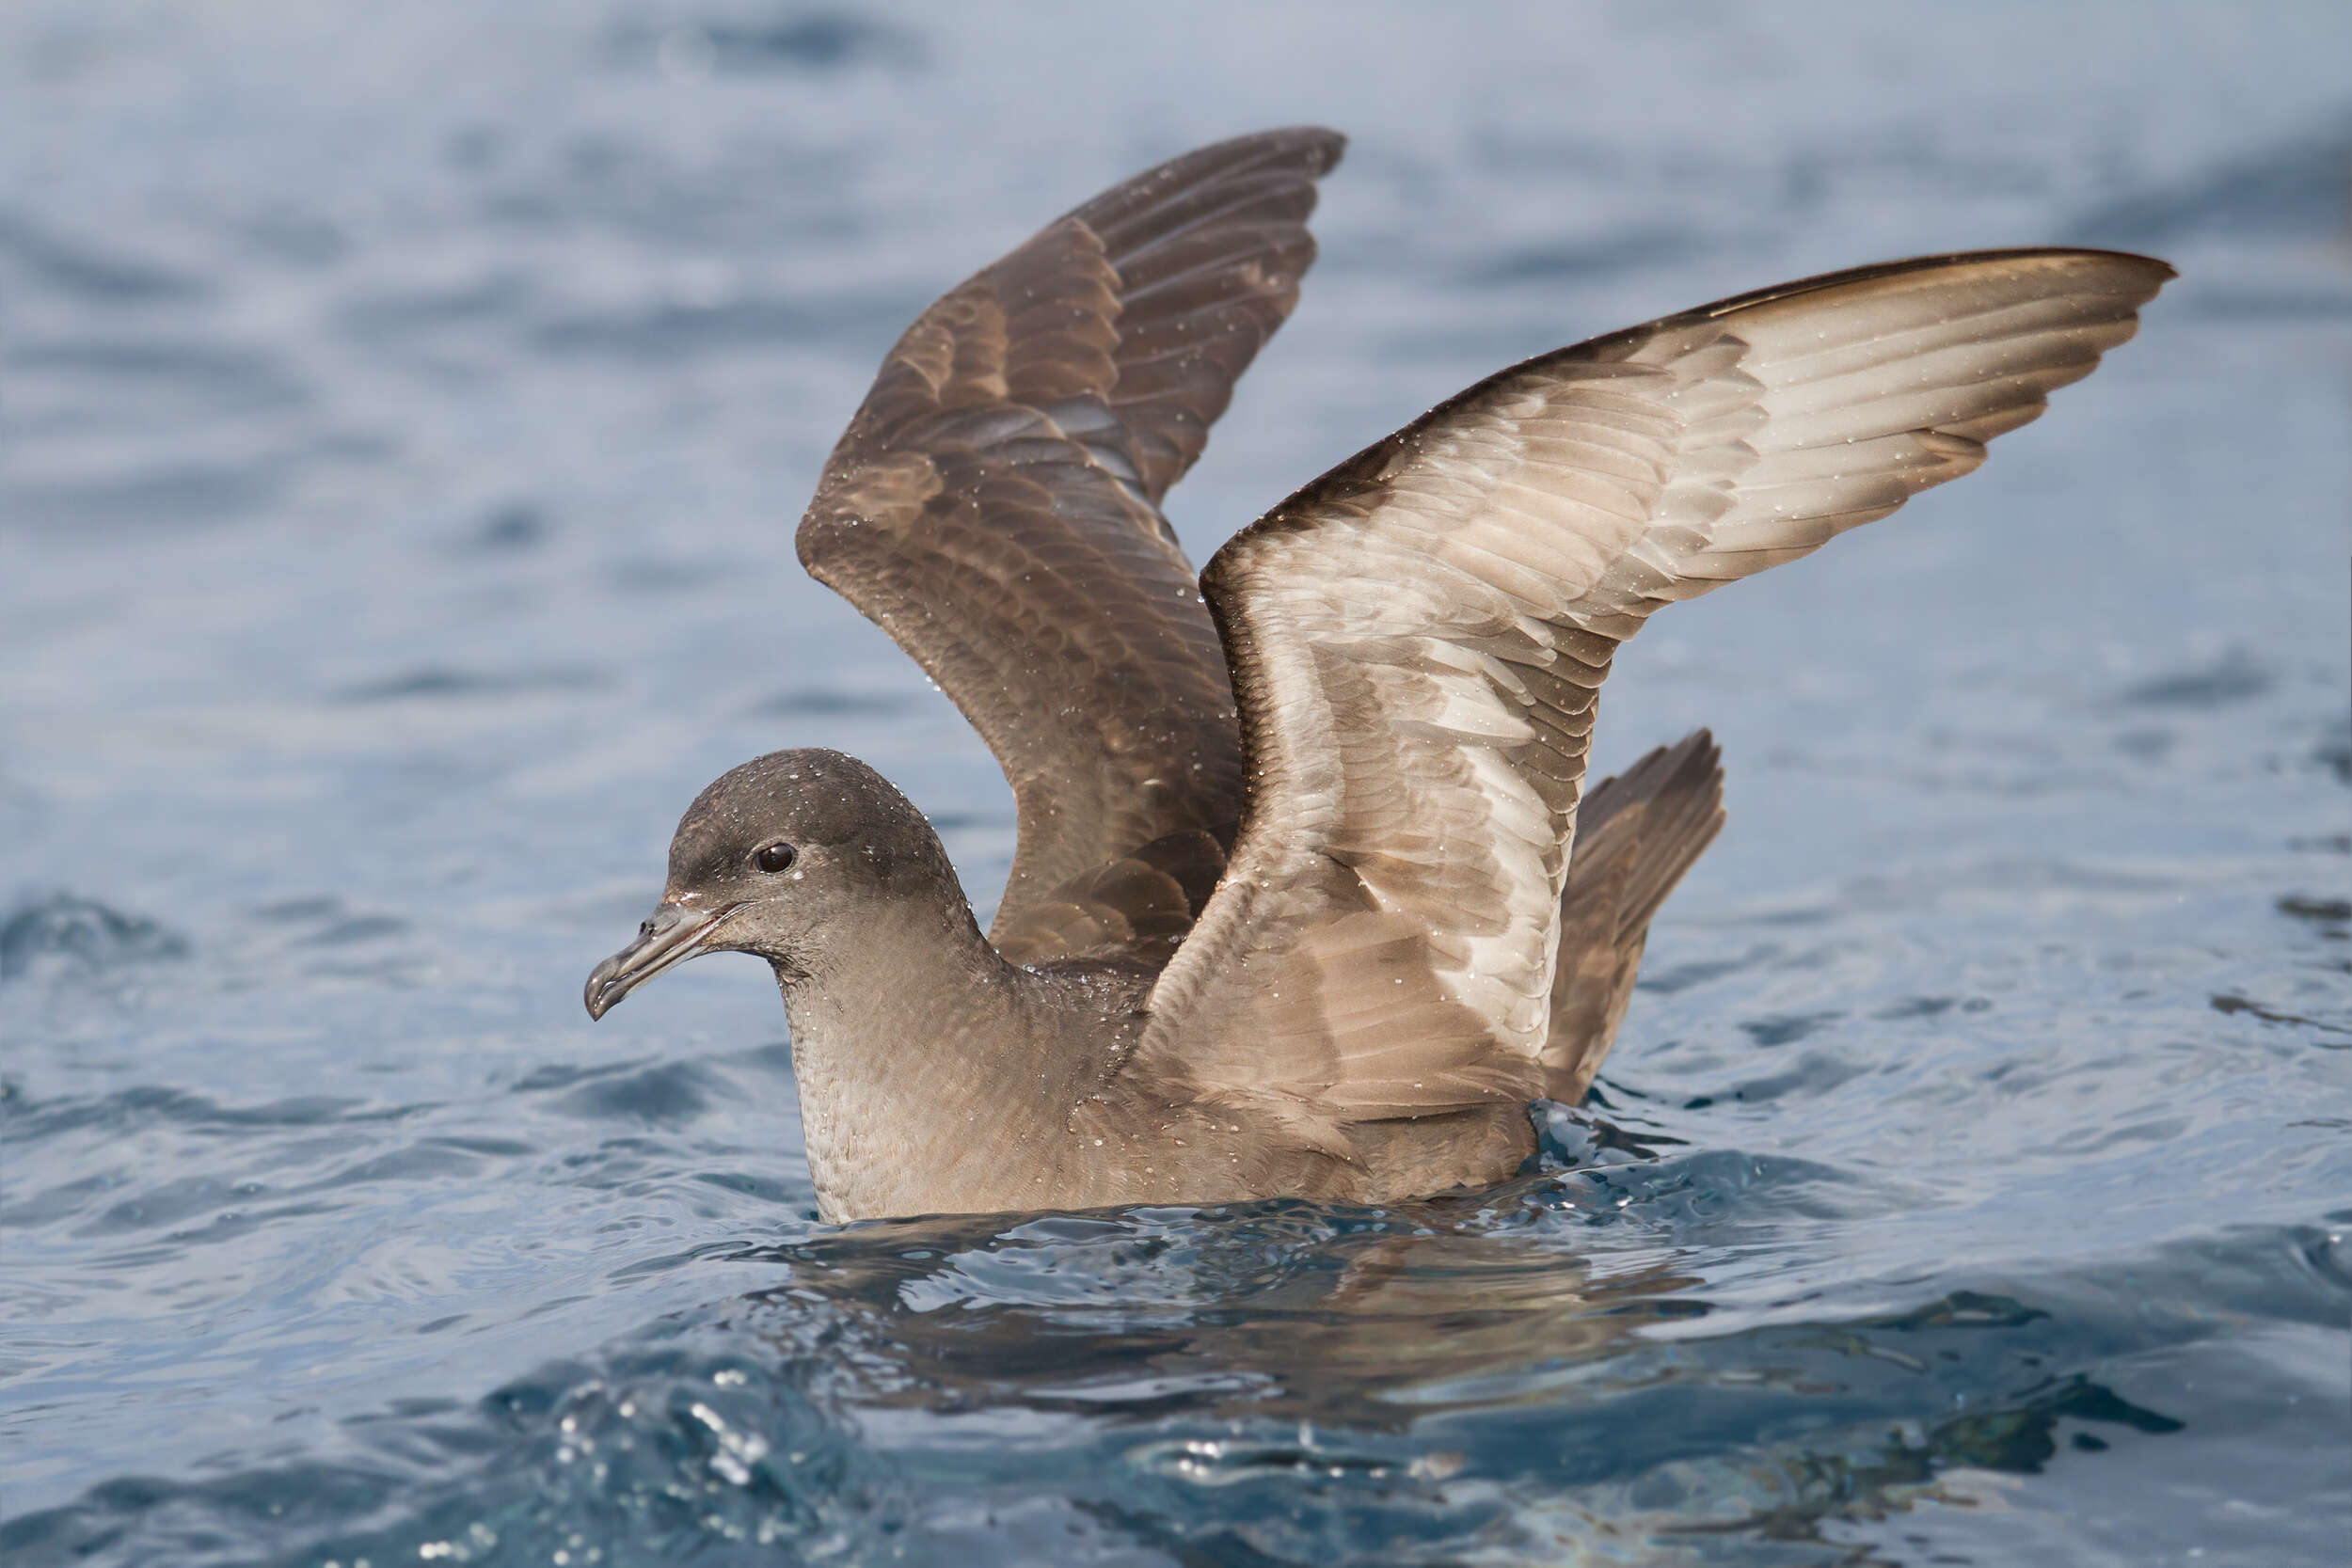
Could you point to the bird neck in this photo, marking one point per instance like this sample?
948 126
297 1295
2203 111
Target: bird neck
918 1049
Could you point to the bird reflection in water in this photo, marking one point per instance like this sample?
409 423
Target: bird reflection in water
1165 1350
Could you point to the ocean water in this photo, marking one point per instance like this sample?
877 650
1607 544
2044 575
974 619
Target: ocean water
404 413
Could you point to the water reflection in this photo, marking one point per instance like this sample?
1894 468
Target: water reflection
1286 1311
1286 1383
1537 1373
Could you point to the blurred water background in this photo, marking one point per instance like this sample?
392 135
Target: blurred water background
403 413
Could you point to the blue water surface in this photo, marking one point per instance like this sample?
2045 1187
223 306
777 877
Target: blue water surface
404 413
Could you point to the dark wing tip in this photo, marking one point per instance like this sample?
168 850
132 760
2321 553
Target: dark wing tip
1321 148
1316 149
1127 214
2142 275
1320 139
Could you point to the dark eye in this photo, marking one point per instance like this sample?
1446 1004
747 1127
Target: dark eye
775 857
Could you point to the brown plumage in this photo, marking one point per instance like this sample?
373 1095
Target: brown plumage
995 505
1309 896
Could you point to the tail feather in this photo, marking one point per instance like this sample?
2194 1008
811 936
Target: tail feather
1636 834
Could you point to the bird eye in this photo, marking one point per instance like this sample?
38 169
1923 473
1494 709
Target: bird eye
775 857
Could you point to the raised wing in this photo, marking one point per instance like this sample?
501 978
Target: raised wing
1417 639
995 505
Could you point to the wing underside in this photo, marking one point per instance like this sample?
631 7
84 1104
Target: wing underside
1418 641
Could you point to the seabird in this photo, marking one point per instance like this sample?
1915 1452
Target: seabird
1309 898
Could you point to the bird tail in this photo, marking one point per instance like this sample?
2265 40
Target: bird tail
1636 834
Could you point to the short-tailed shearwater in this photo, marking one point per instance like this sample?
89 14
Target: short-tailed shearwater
1308 898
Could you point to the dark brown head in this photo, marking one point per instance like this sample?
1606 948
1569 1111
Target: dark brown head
784 857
